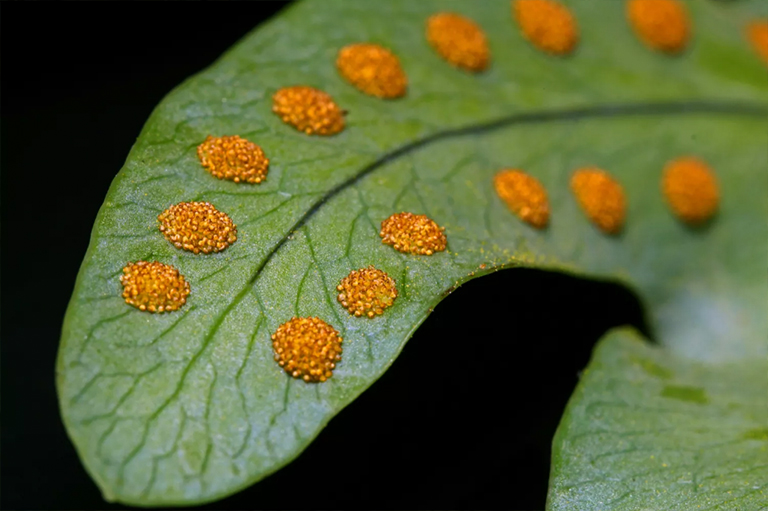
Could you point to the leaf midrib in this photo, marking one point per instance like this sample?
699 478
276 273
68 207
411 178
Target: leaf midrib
737 108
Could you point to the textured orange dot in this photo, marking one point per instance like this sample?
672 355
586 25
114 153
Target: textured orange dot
154 287
414 234
307 348
366 292
197 227
233 158
373 69
601 198
547 24
663 25
524 195
309 110
691 189
757 35
459 40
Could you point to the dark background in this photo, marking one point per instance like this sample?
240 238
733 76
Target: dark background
78 83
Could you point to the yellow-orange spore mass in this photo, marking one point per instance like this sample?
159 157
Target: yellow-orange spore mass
197 227
601 198
373 69
547 24
307 348
366 292
663 25
154 287
459 40
691 190
414 234
757 35
309 110
233 158
524 195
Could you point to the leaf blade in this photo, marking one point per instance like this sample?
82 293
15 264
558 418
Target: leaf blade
220 345
644 427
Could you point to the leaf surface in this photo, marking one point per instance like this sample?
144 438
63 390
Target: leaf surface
646 430
188 407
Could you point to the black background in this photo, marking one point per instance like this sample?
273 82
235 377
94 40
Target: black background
463 419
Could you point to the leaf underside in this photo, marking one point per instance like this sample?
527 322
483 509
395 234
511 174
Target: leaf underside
188 407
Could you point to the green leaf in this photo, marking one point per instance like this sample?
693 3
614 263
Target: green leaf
646 430
189 406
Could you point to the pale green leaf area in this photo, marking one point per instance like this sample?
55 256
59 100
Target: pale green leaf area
646 430
189 406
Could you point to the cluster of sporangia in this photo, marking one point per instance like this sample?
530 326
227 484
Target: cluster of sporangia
309 348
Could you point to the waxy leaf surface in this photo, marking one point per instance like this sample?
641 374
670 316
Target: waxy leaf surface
188 407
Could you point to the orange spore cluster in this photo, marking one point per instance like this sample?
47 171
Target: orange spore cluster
601 198
233 158
459 40
662 25
691 190
547 24
524 195
757 35
373 69
307 348
366 292
197 227
154 287
414 234
309 110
